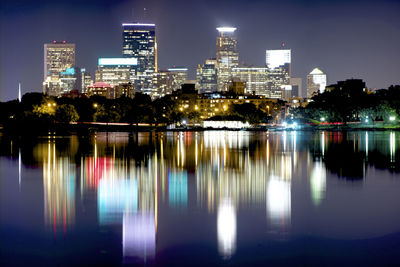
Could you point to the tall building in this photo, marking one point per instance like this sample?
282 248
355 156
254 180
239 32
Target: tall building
58 57
254 77
297 87
167 81
316 82
86 80
207 76
139 41
116 71
179 76
227 56
279 68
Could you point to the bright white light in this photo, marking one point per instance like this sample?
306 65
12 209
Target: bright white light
322 119
318 183
226 29
278 202
139 235
117 61
184 122
177 69
284 124
276 58
366 120
138 24
392 118
226 223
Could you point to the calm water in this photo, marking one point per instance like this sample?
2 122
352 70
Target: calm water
207 198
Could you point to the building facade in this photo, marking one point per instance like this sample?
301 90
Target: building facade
255 78
278 63
207 76
227 55
58 57
139 41
316 82
116 71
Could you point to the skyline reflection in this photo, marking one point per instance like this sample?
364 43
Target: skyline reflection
136 177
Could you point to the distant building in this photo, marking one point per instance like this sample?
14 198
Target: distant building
255 79
86 80
227 56
116 71
179 76
297 87
58 57
207 76
124 89
316 82
351 86
279 70
237 87
167 81
139 41
101 89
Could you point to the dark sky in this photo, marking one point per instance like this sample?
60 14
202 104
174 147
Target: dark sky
345 38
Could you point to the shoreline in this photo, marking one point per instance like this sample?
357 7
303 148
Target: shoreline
87 128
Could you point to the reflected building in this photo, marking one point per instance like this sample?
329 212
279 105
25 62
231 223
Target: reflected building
226 228
278 204
318 183
279 70
58 188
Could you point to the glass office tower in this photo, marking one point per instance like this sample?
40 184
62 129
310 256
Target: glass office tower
227 56
279 68
58 57
139 41
206 76
254 77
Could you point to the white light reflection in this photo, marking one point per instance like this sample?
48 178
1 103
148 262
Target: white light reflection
226 223
19 168
278 203
392 146
318 183
139 235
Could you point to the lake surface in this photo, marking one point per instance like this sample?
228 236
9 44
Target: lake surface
201 198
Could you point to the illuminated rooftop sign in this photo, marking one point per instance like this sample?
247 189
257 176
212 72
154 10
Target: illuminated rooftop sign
139 24
226 29
117 61
177 69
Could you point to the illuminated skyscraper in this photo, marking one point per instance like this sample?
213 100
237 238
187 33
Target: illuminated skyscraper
206 76
139 41
116 71
316 82
227 56
58 57
279 67
178 76
254 77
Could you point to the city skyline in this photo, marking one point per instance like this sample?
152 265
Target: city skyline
188 45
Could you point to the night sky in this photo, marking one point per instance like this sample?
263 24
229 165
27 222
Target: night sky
345 38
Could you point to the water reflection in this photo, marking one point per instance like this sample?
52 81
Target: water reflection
135 177
226 223
58 189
